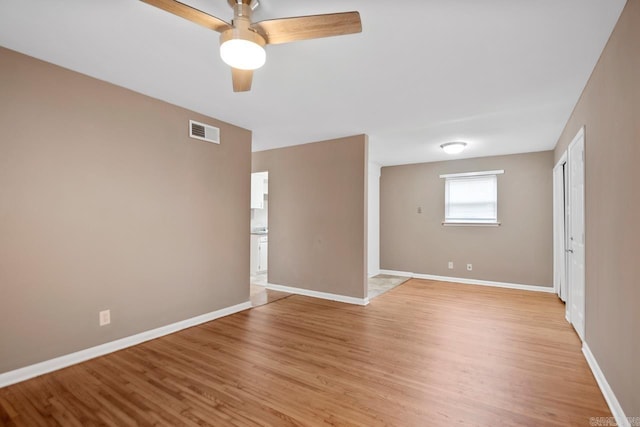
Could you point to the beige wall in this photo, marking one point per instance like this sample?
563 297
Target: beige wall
610 111
519 251
105 203
317 215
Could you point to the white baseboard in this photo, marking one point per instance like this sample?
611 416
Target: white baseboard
609 396
396 273
316 294
470 281
51 365
373 274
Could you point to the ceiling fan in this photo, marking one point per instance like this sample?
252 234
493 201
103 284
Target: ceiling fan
242 41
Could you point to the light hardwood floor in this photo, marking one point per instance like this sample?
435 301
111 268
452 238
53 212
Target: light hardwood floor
423 354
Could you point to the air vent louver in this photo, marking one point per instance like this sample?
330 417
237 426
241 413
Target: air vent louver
204 132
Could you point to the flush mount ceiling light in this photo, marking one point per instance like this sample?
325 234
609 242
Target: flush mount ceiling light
453 147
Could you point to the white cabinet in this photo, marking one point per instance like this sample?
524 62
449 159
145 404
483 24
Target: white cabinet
262 254
259 250
253 265
257 190
259 187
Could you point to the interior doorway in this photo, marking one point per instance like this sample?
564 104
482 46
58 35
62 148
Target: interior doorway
569 231
560 179
576 233
259 233
259 241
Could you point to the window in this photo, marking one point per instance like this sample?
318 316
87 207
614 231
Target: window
471 198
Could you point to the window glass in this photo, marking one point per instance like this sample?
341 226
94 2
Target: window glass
471 199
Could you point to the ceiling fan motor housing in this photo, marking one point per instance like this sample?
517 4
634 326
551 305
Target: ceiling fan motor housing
242 33
241 25
240 46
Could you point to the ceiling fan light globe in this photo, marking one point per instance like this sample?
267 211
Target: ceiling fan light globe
453 147
243 54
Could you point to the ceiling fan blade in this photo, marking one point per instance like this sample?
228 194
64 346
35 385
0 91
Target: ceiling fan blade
276 31
241 79
191 14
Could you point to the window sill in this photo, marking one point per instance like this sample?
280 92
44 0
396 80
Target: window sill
471 224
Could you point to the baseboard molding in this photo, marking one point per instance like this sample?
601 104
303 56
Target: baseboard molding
470 281
51 365
609 396
396 273
316 294
374 274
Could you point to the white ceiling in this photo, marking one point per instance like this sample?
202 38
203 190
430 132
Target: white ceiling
503 75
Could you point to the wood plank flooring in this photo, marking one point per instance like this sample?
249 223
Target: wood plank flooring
423 354
259 295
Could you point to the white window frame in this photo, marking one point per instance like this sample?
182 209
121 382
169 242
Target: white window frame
453 176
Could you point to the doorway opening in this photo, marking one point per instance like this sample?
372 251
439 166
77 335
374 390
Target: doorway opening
259 249
569 232
259 242
560 228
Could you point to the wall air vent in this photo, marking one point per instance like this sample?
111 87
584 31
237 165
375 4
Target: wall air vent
204 132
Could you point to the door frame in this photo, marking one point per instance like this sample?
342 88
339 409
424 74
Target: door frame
560 227
580 137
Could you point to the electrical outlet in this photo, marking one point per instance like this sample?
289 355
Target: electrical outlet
105 317
450 265
469 267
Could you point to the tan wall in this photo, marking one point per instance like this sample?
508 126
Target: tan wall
317 215
519 251
610 111
105 203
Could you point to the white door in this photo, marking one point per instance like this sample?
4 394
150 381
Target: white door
576 241
559 228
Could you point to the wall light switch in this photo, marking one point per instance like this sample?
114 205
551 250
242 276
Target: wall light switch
105 317
450 265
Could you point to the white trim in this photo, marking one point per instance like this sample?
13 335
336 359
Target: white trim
609 396
580 327
579 134
459 175
396 273
51 365
559 228
546 289
471 224
563 159
316 294
374 274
